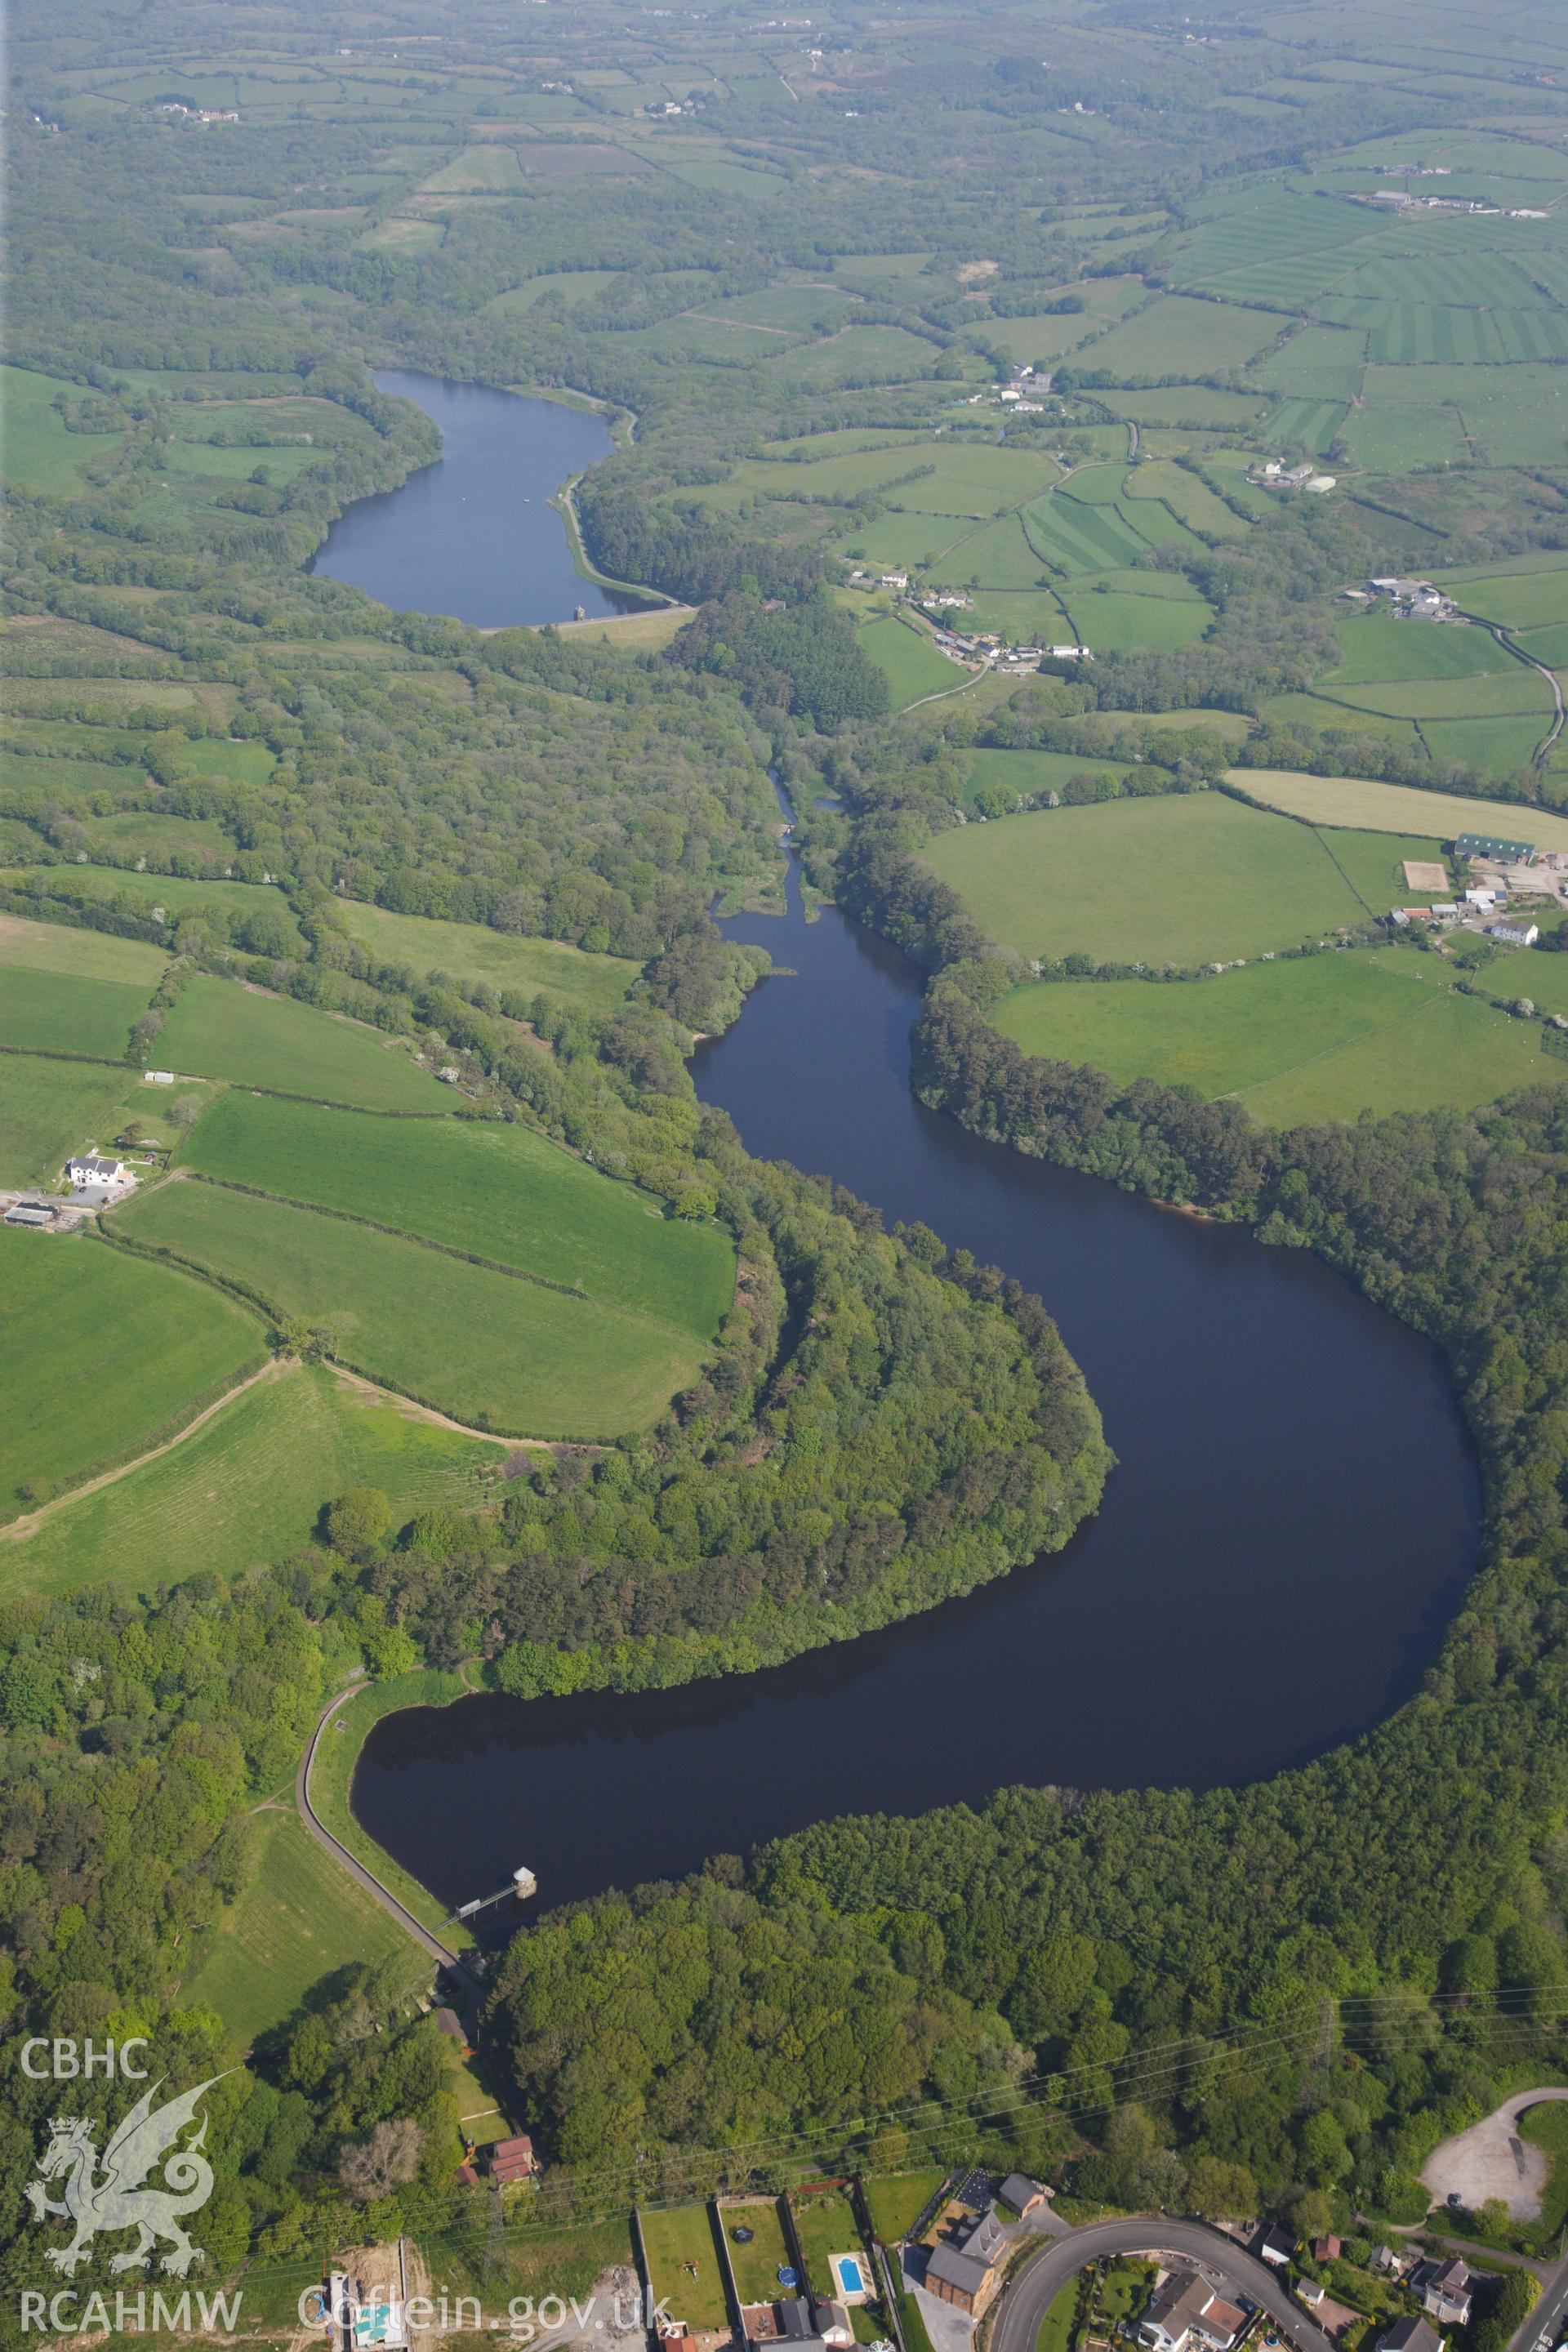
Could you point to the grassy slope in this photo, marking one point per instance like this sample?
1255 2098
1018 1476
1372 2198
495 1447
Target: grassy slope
1185 880
471 1342
55 1012
248 1487
90 955
49 1108
102 1351
911 663
37 453
300 1918
472 952
500 1192
223 1031
1323 1037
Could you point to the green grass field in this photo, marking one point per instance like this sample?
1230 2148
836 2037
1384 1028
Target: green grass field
683 2264
1320 1037
55 1013
87 955
474 953
300 1918
48 1109
908 661
103 1352
1354 801
37 453
756 2266
1377 647
481 1346
503 1193
1184 880
249 1486
219 1030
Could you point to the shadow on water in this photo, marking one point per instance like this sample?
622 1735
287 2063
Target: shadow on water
474 535
1293 1517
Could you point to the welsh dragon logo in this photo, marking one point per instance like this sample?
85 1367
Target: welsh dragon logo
109 2194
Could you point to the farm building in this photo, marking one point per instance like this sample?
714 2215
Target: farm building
30 1212
1495 849
1516 935
1187 2313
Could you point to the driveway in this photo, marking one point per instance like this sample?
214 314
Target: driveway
1491 2161
1227 2267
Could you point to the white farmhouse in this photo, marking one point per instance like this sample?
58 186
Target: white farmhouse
89 1169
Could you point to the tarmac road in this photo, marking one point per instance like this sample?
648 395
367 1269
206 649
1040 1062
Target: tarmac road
1229 2266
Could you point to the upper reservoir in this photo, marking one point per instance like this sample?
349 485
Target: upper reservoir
474 535
1292 1520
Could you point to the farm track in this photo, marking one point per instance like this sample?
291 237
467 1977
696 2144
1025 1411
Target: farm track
15 1529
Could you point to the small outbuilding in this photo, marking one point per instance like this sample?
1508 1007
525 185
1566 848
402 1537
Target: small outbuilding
1025 2195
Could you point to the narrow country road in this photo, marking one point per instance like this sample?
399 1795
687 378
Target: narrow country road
372 1886
1228 2266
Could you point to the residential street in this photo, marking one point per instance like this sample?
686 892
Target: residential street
1231 2269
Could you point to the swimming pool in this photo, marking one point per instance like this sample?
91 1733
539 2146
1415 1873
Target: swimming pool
850 2272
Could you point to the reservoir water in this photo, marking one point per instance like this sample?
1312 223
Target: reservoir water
474 535
1289 1530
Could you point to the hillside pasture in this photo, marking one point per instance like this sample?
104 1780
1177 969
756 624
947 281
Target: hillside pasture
249 1486
162 1339
49 1108
500 1191
1175 335
299 1918
1185 880
85 955
912 665
36 452
1313 1037
490 1348
1109 618
220 1030
474 953
1376 648
59 1012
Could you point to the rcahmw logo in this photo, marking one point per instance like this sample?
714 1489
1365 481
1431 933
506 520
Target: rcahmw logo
149 2179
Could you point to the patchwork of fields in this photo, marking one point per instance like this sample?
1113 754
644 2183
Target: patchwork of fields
365 1224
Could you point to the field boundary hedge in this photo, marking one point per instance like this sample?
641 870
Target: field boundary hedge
421 1241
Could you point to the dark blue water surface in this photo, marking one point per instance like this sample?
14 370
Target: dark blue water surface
1291 1523
473 535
